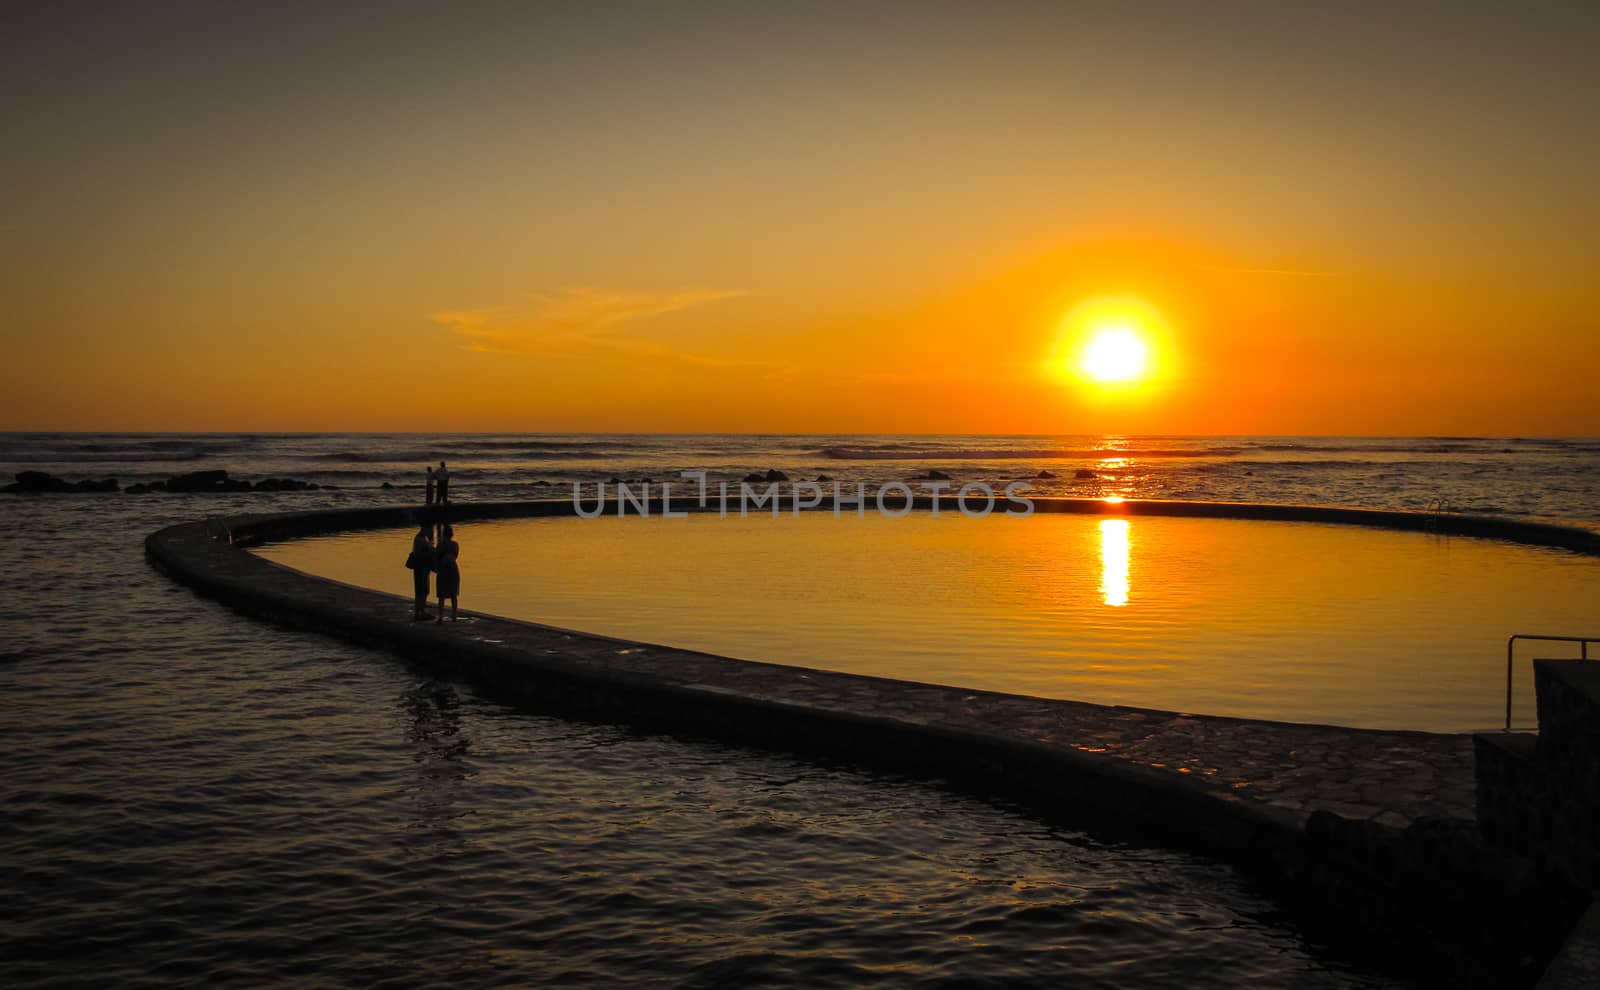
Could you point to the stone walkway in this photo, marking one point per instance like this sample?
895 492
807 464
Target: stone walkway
1288 770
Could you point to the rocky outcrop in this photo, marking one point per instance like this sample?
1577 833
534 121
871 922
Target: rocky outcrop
218 482
40 483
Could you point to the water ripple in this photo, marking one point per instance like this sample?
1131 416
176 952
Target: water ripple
192 797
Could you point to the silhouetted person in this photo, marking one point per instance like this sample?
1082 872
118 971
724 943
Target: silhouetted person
420 562
441 477
449 583
429 497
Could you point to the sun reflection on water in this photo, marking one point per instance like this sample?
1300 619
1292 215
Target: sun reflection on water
1114 544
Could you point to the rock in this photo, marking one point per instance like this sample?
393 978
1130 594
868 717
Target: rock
1083 473
284 485
936 476
823 477
201 481
1045 475
217 482
40 483
776 475
386 484
37 481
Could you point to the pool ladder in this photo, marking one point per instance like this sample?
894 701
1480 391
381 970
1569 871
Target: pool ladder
1511 643
1436 509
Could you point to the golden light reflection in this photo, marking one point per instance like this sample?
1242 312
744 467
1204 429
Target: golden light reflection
1114 544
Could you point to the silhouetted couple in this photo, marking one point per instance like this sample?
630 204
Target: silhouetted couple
439 481
426 558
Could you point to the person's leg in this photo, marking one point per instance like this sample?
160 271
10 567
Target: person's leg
454 602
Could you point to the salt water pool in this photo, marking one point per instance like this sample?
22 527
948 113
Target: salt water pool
1291 621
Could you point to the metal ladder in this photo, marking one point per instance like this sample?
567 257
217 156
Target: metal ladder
1583 654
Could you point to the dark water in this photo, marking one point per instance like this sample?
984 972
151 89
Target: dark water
1515 476
192 797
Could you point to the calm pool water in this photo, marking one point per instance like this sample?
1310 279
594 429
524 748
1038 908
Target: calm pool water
1290 621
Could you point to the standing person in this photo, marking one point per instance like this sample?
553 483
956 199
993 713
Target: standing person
429 500
449 584
442 478
420 562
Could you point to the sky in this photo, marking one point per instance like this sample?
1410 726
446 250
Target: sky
822 217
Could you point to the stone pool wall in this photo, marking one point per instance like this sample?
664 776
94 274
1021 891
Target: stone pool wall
1539 799
1372 831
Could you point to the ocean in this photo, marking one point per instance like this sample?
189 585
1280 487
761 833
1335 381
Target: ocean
195 797
1513 476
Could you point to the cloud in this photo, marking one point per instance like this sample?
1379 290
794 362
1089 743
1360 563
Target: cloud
576 320
1300 272
1004 373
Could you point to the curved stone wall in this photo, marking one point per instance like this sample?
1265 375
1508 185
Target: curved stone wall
1365 819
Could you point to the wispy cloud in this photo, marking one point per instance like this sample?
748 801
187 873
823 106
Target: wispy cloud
576 320
1004 373
1292 272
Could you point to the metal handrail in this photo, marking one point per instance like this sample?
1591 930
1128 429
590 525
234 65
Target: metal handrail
1583 654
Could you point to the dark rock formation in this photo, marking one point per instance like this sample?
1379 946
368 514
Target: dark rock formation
40 483
205 481
773 475
284 485
936 476
1083 473
1045 475
217 482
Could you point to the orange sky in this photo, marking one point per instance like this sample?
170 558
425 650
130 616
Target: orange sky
799 219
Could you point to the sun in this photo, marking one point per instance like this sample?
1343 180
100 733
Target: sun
1116 354
1120 345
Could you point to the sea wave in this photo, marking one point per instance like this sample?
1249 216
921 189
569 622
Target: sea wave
897 452
458 454
101 457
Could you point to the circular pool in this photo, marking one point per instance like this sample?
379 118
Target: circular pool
1293 621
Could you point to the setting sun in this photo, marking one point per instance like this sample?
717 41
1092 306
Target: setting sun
1113 343
1116 354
